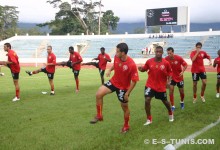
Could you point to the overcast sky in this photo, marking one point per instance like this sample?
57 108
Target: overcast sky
38 11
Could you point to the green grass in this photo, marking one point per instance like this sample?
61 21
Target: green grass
62 121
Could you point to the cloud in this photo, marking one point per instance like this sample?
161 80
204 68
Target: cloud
39 11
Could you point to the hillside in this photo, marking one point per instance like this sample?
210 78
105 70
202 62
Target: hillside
130 27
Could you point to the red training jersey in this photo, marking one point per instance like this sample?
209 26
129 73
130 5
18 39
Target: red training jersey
176 64
13 57
51 58
157 74
74 58
102 60
198 64
217 61
124 73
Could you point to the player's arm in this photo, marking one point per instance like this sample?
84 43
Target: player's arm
195 56
169 76
108 73
79 60
215 63
142 68
209 58
107 58
185 65
132 85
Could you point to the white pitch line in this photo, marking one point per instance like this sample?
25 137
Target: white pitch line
192 136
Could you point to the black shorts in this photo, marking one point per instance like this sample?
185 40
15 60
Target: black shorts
179 84
15 76
120 93
218 76
101 72
49 75
76 73
196 76
148 92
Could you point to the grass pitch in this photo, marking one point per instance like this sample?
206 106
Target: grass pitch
40 121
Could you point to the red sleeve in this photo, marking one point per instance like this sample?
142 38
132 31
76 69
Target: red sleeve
191 55
108 57
183 62
98 57
79 57
207 56
146 66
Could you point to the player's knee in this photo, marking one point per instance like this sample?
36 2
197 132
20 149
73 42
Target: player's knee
99 95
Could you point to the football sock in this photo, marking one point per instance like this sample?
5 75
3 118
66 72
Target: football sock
149 118
17 93
34 72
126 120
194 95
182 96
172 99
99 111
170 112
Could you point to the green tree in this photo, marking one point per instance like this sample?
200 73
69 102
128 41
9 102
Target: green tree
8 21
78 17
109 20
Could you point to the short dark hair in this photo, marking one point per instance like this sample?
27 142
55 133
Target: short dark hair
123 47
170 49
102 48
198 44
8 45
159 47
71 48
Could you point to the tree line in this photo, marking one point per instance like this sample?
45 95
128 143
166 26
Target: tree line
79 16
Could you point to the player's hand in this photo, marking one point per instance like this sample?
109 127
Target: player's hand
126 97
210 63
168 85
181 74
140 68
45 64
108 73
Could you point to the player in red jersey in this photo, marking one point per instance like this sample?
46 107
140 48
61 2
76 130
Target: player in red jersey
103 58
14 66
49 68
198 70
217 63
159 76
178 66
123 81
74 62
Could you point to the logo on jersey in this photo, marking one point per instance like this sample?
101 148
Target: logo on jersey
202 55
125 67
175 62
162 67
49 57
